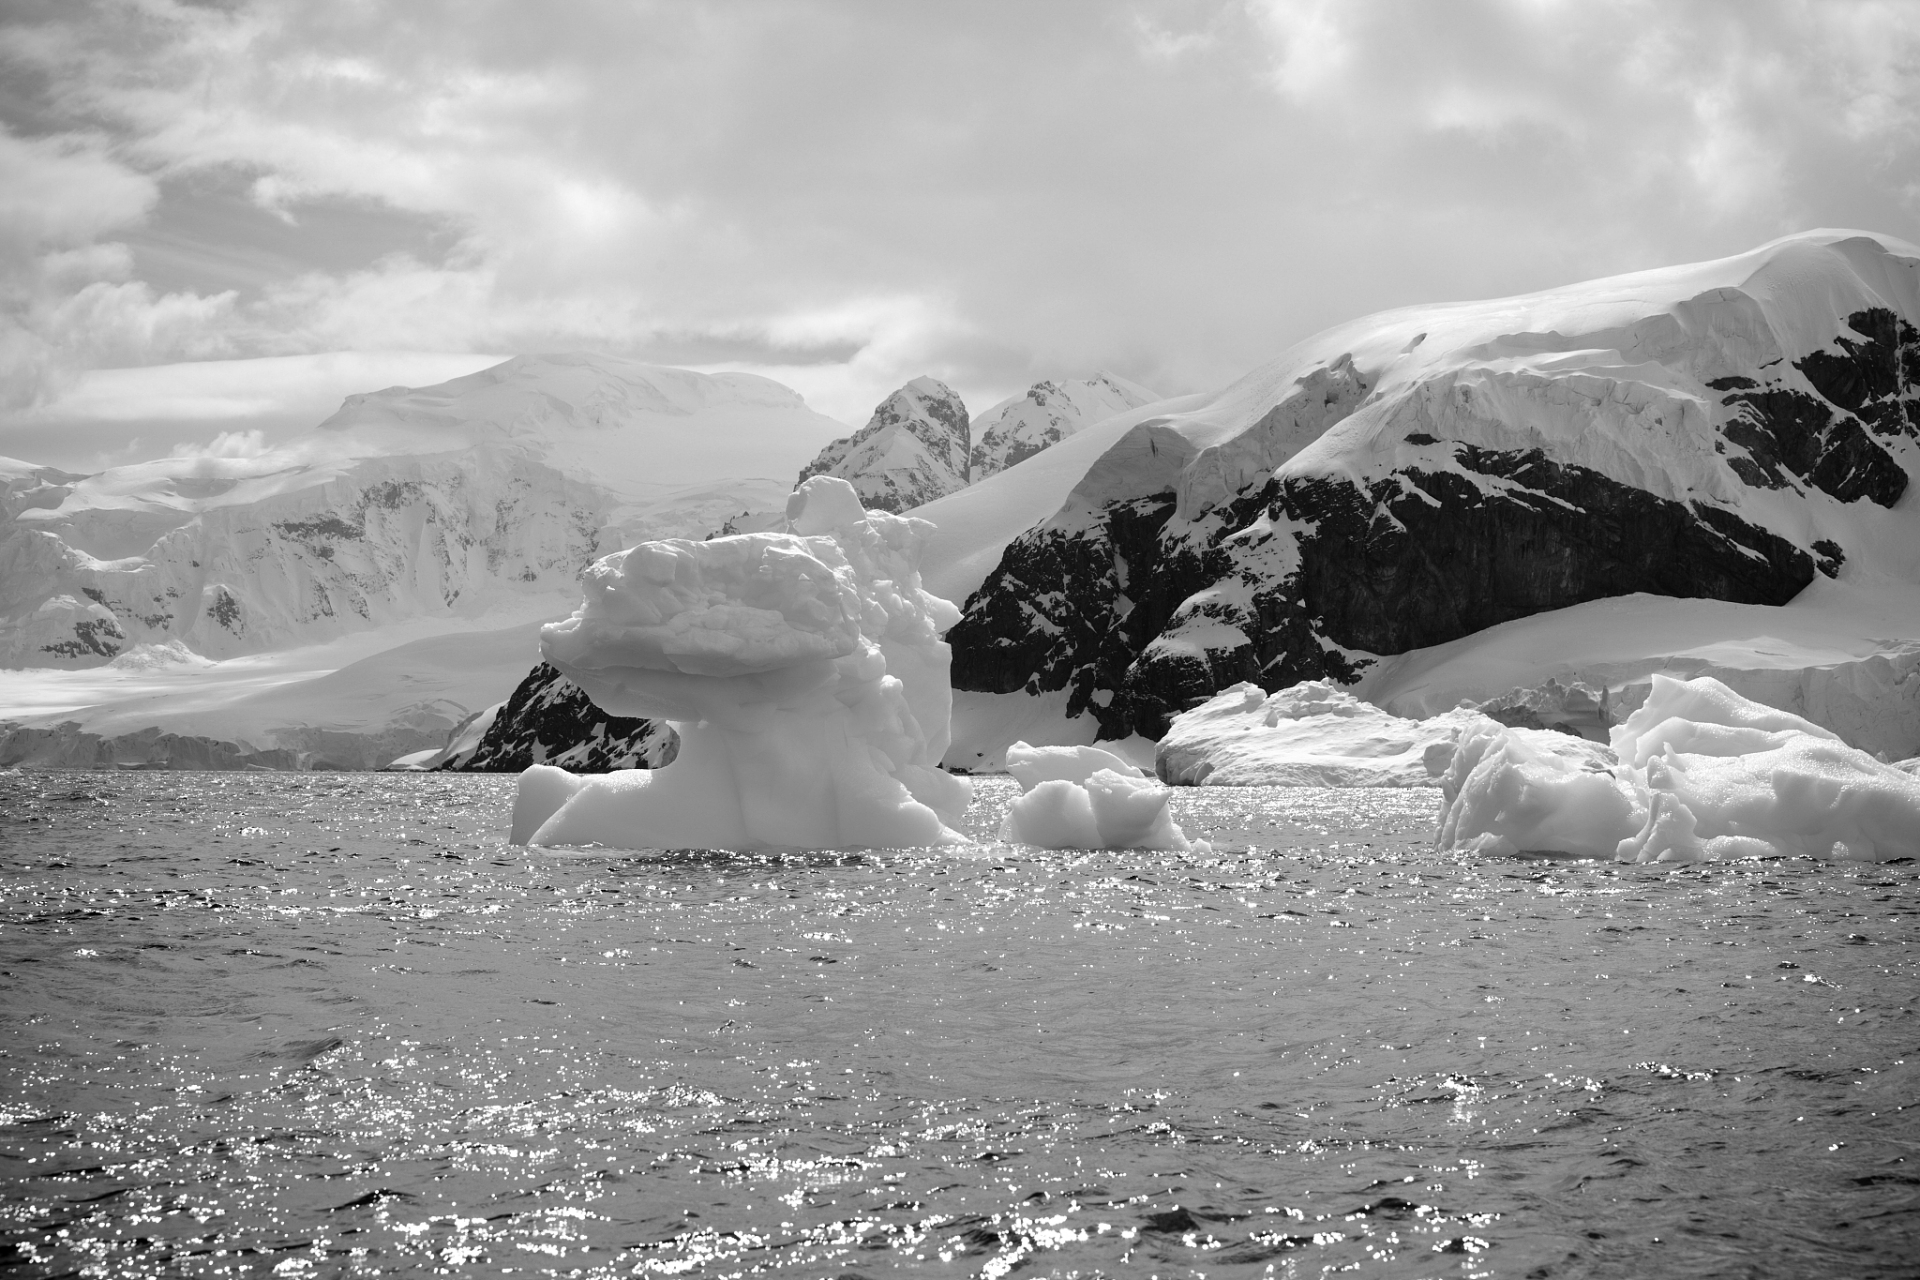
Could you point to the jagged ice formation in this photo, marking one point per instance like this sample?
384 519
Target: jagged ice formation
803 671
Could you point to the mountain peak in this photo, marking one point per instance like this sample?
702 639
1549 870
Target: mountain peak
912 451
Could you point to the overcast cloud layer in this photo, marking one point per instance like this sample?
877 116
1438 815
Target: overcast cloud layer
848 195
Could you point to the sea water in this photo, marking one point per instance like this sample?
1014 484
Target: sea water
331 1025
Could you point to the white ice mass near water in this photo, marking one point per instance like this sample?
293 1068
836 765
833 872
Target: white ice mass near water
1698 772
1086 798
1312 734
804 672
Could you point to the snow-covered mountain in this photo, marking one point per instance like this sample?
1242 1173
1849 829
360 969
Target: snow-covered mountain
912 451
653 438
1045 414
1733 430
441 501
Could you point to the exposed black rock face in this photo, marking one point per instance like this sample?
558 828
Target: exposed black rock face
1788 435
550 720
1308 577
1785 435
1876 378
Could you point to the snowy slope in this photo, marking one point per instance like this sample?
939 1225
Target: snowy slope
1727 430
1845 655
912 451
1044 415
647 434
441 501
355 703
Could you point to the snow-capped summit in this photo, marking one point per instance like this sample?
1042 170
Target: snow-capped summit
1045 414
912 451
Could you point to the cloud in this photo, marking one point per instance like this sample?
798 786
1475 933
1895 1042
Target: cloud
845 195
228 444
65 191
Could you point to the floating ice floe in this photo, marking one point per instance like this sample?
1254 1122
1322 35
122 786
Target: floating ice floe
1086 798
803 671
1311 734
1696 772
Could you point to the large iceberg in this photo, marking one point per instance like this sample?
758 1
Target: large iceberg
1696 772
804 672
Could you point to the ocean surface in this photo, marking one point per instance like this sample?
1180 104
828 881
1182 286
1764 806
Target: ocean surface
330 1025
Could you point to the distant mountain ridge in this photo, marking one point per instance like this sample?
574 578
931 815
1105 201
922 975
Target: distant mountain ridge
408 502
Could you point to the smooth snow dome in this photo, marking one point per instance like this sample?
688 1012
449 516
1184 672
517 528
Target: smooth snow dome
1697 772
619 423
804 673
1086 798
1312 734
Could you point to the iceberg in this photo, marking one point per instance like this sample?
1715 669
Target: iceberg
1697 772
1086 798
1312 734
803 671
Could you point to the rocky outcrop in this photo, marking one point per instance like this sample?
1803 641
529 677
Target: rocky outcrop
550 720
1408 480
913 449
1047 413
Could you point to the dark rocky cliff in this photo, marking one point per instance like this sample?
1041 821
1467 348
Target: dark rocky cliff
550 720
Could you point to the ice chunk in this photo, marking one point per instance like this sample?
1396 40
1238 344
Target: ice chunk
1697 772
1521 790
1086 798
1031 766
1704 717
804 672
1310 734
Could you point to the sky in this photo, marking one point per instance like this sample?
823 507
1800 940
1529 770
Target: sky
218 217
